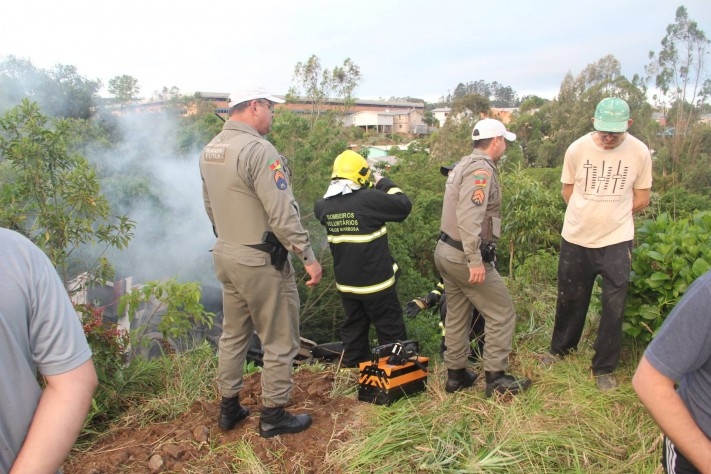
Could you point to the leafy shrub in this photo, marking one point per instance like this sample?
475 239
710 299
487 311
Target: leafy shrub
681 202
176 305
108 341
671 256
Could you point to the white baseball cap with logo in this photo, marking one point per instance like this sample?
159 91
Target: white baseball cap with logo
249 92
490 128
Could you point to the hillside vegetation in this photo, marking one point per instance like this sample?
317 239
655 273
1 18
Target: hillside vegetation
112 196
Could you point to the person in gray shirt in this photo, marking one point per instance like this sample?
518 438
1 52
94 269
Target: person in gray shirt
681 353
39 332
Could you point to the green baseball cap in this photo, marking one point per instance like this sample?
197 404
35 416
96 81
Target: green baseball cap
612 115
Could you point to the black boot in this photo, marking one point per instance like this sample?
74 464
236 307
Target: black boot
502 382
458 379
231 413
276 421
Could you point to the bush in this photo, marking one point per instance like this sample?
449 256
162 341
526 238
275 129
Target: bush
671 256
108 341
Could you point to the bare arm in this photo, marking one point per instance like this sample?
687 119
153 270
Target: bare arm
566 192
641 199
58 420
657 393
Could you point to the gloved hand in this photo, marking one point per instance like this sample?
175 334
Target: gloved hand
412 308
432 299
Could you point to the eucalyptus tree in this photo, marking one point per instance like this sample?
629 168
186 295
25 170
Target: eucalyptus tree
683 89
319 85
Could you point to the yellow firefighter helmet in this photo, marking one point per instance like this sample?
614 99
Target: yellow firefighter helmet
350 165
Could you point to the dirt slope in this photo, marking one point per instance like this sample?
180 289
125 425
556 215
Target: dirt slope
193 443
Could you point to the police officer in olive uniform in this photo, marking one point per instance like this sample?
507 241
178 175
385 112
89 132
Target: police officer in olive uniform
464 257
248 198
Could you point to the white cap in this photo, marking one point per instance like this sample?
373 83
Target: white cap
490 128
252 92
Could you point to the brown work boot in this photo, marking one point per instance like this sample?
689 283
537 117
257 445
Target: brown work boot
275 421
231 413
502 382
458 379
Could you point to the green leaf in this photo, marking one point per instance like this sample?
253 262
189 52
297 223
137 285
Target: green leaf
699 267
659 276
655 256
649 312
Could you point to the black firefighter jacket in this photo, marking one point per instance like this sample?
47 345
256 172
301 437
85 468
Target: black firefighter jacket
358 238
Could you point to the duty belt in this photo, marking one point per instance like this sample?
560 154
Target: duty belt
457 244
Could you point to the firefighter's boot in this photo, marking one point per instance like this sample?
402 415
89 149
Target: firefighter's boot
502 382
231 413
458 379
275 421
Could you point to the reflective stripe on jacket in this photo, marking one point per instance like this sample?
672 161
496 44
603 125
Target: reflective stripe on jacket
358 237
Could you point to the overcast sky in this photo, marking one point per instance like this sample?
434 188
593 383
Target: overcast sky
404 48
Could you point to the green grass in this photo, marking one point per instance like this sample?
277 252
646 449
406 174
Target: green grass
562 424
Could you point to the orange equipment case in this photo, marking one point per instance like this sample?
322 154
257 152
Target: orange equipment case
395 371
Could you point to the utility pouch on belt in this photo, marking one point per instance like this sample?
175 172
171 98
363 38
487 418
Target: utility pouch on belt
488 251
277 252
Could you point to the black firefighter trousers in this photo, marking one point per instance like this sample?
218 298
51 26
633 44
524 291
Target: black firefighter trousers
382 311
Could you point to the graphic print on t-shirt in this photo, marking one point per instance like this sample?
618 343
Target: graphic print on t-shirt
605 182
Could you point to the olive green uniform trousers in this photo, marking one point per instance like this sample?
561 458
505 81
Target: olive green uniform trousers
491 298
256 297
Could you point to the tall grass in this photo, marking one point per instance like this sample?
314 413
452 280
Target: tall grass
562 424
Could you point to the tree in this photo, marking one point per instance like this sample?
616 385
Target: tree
684 87
454 139
498 94
472 105
124 88
60 92
568 117
534 217
320 85
531 102
52 196
166 94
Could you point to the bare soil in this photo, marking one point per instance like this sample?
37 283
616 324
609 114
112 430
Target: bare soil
193 443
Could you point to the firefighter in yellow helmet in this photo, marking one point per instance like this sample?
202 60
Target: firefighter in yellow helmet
354 211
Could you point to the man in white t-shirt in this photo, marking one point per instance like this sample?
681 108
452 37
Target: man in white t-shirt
607 177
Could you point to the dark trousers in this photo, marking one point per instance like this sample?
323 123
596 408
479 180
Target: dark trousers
577 269
674 462
382 311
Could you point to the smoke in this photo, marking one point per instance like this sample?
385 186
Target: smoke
147 180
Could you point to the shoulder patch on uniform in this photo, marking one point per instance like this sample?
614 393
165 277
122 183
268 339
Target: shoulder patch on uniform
215 154
481 176
275 164
478 197
280 180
